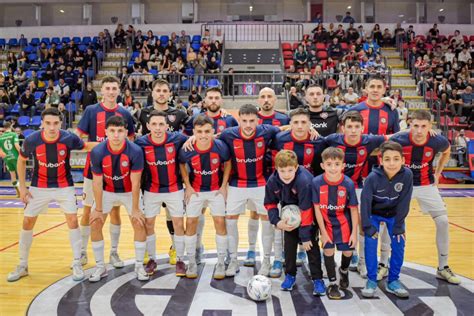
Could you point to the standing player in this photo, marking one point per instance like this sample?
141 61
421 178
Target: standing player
92 126
162 184
324 119
267 114
117 166
50 149
213 100
419 150
386 198
248 144
290 184
206 185
9 151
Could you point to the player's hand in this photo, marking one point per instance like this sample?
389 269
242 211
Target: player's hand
401 236
390 102
138 217
325 239
25 195
188 193
353 240
375 236
433 132
436 179
283 225
313 134
96 216
224 113
307 245
189 144
223 191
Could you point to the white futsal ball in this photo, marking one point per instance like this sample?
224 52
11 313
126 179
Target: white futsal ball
259 288
292 214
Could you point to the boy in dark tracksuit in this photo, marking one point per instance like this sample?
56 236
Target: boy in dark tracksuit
386 198
290 184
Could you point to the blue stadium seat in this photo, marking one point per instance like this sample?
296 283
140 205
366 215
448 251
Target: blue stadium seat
82 48
40 73
95 39
3 42
46 40
153 71
213 83
27 132
71 107
32 57
196 46
56 40
164 40
76 95
35 121
23 121
29 49
28 73
35 41
12 42
15 109
186 104
134 55
65 39
185 84
86 40
196 39
38 95
189 71
76 40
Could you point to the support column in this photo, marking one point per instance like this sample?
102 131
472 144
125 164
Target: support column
37 14
138 13
87 13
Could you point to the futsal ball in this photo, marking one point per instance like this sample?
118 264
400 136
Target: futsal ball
259 288
291 213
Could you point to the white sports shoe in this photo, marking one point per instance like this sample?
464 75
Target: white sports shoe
99 273
83 258
232 268
115 260
77 272
18 273
265 267
141 273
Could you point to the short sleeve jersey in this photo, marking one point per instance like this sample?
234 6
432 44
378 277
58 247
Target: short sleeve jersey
161 170
7 144
51 158
205 167
117 166
380 120
419 158
248 154
276 119
221 122
334 200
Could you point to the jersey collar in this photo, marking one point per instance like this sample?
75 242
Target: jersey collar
107 109
299 140
203 151
334 183
118 151
260 115
374 107
158 144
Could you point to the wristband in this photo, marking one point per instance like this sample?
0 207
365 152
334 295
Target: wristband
97 210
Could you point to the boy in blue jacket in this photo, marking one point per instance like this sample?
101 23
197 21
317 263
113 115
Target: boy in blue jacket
386 198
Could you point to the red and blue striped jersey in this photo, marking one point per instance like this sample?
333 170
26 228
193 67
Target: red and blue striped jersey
205 167
356 156
116 166
221 122
51 158
248 154
334 200
92 124
380 120
161 173
419 158
308 151
277 119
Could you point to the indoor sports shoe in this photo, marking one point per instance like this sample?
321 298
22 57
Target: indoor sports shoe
343 279
199 253
141 273
319 289
289 282
277 269
192 271
362 269
300 258
19 272
250 260
448 275
382 271
369 289
265 267
16 186
333 292
219 271
395 287
172 254
227 258
354 263
77 272
232 268
180 269
99 273
84 258
150 267
115 260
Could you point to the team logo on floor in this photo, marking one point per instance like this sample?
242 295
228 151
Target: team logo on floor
165 294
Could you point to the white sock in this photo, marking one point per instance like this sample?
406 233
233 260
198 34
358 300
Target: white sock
267 238
190 244
151 246
385 245
85 234
98 248
252 233
361 248
179 246
200 229
76 243
232 237
278 244
26 239
442 239
114 237
221 245
140 247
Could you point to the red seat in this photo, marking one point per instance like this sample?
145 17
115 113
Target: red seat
422 37
320 46
469 134
344 46
331 84
287 54
441 38
431 95
457 123
286 46
471 38
465 38
288 63
322 54
295 46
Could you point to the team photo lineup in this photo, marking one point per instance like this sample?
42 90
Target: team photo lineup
315 180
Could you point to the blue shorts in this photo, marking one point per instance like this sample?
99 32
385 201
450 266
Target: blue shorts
342 246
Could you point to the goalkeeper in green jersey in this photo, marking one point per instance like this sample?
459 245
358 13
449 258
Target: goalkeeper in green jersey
9 149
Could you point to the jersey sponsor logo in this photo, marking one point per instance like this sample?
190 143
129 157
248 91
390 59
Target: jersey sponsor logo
149 151
398 187
355 165
415 166
319 125
206 172
51 165
249 160
100 139
160 162
332 207
117 178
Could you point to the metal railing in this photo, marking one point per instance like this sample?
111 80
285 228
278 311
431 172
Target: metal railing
256 31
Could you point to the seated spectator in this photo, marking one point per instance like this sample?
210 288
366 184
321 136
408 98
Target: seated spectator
371 43
155 59
348 18
229 88
63 90
119 36
464 55
194 97
12 62
340 33
123 77
295 99
90 59
455 102
216 50
351 97
399 34
461 141
377 34
27 104
379 64
387 38
457 41
136 75
199 66
126 98
67 117
12 91
335 49
362 33
402 115
183 41
319 34
4 99
301 58
179 65
351 35
304 78
174 79
444 87
51 70
344 80
50 98
336 98
213 66
433 33
89 97
467 100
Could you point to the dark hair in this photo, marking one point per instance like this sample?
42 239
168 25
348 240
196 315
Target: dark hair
375 77
202 120
332 153
116 121
156 113
213 89
160 82
421 115
313 86
390 145
354 116
52 111
299 111
248 109
110 79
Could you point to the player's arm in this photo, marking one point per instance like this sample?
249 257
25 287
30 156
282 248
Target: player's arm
322 228
225 178
17 146
355 224
271 204
443 160
137 214
2 154
97 189
403 205
88 146
189 190
25 195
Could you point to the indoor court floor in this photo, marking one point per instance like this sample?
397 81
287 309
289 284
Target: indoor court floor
122 294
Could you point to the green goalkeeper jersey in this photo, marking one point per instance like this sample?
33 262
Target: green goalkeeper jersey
7 144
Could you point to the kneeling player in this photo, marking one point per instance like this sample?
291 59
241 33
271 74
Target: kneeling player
117 166
386 198
206 184
335 201
291 184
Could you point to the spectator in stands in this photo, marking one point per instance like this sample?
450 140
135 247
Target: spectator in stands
138 41
3 81
27 104
171 47
4 101
364 96
124 77
199 66
340 33
119 36
362 33
229 82
300 58
336 98
12 61
174 79
399 33
377 34
464 55
387 39
19 132
351 97
444 87
20 79
344 81
194 97
90 59
179 65
213 66
357 78
145 51
461 141
371 43
126 98
136 75
318 19
65 124
165 65
457 41
455 102
184 40
63 90
335 49
379 64
191 56
433 33
22 60
89 97
12 90
352 34
467 100
348 18
50 98
216 50
319 34
51 70
295 99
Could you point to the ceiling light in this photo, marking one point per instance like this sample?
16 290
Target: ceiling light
441 10
401 16
250 8
62 11
349 7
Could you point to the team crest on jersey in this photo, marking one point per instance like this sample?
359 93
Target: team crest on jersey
220 128
324 115
341 193
62 152
215 161
124 163
428 154
172 118
259 144
398 187
383 120
170 149
309 151
361 152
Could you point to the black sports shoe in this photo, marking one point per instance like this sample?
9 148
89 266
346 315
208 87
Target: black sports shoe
333 292
344 279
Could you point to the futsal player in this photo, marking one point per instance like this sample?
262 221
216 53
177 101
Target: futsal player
324 119
9 151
